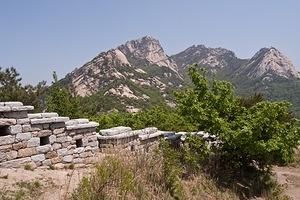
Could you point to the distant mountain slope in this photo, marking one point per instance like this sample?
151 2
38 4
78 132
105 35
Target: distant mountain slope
135 75
139 74
268 71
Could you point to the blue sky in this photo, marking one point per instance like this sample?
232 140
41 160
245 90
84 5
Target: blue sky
38 37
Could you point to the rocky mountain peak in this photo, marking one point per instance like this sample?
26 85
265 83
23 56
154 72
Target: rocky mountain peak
204 56
270 61
149 49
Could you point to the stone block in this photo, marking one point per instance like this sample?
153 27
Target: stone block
46 126
44 133
68 139
56 160
47 162
13 103
56 146
51 154
26 152
2 156
15 163
22 108
41 121
60 119
68 159
92 138
26 128
33 142
8 139
44 148
19 145
49 115
66 144
23 121
7 122
52 139
11 155
115 130
82 121
78 150
71 147
16 114
58 131
61 139
57 126
5 148
34 116
5 109
85 154
38 158
36 127
62 152
23 136
59 166
93 144
15 129
78 160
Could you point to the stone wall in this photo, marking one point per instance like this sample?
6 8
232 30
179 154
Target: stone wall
43 138
46 139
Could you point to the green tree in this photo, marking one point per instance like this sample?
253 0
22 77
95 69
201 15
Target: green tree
262 134
11 89
60 100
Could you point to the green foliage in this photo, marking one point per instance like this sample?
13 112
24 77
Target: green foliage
11 89
61 101
162 117
194 152
250 101
172 170
264 133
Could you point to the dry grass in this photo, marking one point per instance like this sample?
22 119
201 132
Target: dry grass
142 177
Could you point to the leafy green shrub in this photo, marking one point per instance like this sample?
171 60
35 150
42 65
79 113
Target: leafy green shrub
194 152
264 133
162 117
60 100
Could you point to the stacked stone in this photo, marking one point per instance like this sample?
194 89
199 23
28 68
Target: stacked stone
124 138
13 121
116 139
43 138
82 142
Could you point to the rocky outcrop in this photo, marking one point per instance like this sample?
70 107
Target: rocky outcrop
268 62
149 49
213 58
124 63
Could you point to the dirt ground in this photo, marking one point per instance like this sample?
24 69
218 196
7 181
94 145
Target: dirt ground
55 184
290 178
59 184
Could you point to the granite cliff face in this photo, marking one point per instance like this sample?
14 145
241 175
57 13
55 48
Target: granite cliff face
268 62
213 58
136 71
140 74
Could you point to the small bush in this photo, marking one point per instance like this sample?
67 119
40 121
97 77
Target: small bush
28 167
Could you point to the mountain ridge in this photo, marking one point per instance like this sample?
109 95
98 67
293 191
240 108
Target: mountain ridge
140 70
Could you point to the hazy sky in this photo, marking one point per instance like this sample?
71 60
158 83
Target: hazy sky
39 36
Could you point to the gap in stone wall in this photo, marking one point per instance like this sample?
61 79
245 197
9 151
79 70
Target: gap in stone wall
4 130
79 143
44 140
